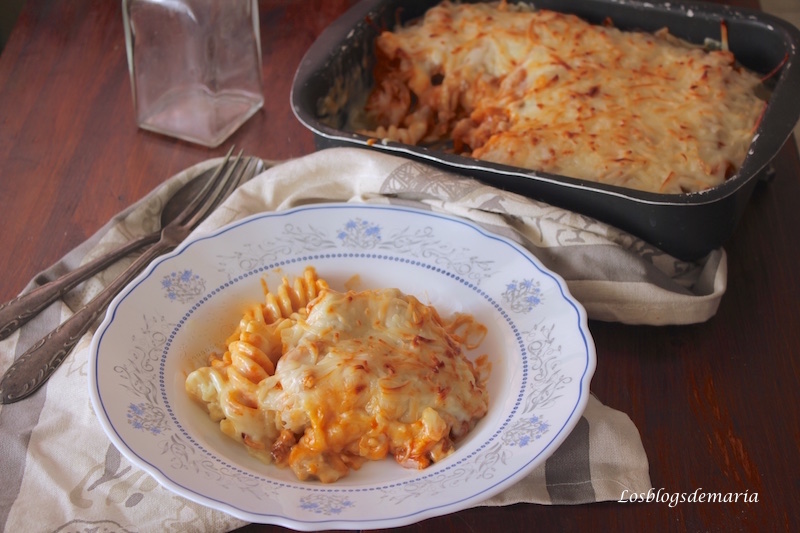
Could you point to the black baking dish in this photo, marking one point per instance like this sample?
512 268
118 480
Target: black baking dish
337 68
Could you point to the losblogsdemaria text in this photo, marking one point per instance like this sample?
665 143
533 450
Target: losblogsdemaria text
698 496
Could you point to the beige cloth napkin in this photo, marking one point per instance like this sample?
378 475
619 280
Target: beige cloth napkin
60 472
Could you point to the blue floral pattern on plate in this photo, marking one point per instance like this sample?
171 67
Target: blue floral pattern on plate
145 417
183 286
360 234
523 296
326 504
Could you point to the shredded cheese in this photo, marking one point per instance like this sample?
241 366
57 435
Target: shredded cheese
321 381
547 91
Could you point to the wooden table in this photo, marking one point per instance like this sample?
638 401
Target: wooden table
717 404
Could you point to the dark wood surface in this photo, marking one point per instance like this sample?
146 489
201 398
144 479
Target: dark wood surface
717 404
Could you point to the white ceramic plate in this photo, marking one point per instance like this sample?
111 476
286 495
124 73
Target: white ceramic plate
185 304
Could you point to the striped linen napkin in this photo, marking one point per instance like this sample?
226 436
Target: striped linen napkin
59 467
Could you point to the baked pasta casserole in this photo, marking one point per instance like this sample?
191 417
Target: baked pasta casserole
321 381
547 91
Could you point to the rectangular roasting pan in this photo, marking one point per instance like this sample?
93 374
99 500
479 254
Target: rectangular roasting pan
338 69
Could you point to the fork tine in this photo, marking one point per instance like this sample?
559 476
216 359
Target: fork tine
249 168
237 177
254 167
223 186
201 197
242 175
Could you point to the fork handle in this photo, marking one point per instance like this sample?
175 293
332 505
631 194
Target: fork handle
16 312
33 368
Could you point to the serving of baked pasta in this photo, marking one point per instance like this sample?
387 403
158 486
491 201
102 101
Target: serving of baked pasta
321 381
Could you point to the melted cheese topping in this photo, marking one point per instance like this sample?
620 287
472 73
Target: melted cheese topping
550 92
346 378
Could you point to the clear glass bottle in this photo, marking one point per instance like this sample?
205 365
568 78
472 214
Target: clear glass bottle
195 66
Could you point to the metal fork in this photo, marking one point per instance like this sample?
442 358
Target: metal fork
33 368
